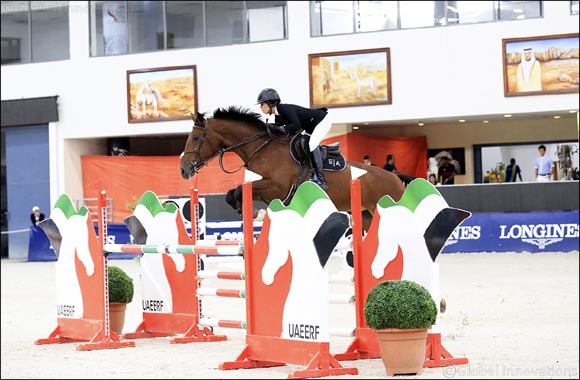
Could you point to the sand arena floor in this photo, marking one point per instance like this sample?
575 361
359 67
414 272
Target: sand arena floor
513 315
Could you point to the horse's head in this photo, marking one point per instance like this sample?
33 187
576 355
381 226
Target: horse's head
230 129
196 153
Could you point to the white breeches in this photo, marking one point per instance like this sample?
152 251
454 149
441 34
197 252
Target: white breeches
541 178
320 132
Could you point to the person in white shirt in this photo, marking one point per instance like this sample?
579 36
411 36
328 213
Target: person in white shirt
544 166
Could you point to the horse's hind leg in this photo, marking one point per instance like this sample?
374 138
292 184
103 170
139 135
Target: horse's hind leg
367 218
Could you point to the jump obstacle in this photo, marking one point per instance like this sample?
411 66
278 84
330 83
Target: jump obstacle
279 351
81 278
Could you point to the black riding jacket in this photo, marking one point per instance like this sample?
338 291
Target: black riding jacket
295 118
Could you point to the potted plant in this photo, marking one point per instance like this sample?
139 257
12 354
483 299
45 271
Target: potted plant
401 312
121 290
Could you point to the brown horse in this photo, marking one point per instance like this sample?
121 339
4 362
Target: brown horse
241 131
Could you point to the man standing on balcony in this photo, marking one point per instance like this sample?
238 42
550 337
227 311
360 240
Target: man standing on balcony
544 167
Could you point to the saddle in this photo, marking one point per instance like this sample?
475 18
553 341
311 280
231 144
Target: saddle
332 158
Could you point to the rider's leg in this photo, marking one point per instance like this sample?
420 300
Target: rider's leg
318 134
317 158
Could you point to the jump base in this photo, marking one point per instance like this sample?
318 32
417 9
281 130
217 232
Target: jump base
437 355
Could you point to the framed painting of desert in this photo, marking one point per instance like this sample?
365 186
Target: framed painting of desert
350 78
540 65
160 94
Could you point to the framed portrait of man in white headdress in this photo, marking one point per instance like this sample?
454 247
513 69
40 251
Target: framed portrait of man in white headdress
541 65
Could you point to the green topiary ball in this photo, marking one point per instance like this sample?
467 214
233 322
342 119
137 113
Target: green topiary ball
400 304
121 287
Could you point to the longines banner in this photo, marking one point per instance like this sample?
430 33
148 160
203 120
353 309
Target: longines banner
494 232
516 232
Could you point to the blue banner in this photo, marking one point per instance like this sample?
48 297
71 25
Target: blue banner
39 248
516 232
487 232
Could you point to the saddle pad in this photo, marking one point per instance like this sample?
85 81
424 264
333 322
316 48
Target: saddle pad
331 161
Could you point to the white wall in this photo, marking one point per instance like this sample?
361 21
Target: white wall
436 72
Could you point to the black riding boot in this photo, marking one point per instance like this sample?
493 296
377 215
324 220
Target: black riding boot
317 158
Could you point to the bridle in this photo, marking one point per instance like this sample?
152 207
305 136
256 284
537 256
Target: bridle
195 166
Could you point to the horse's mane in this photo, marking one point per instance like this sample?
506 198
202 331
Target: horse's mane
239 113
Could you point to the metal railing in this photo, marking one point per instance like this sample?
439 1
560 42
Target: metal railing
91 204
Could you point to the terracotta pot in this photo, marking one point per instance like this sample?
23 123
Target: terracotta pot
403 350
117 316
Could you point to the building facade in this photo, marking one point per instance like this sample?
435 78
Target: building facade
439 73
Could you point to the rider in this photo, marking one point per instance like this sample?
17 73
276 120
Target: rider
291 118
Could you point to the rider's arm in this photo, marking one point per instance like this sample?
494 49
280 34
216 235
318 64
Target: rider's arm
290 116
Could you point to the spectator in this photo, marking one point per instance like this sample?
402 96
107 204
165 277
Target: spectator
513 171
433 179
36 216
446 172
390 165
543 167
367 160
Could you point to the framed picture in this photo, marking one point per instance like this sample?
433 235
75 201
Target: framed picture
160 94
540 65
350 78
456 157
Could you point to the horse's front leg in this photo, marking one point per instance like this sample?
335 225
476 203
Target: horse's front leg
234 199
264 190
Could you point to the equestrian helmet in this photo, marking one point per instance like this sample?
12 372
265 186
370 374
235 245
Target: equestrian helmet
269 96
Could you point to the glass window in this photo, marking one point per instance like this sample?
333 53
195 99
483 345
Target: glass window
337 17
15 32
334 17
475 11
376 15
146 28
266 20
574 7
121 27
519 10
315 19
224 22
417 14
108 30
185 27
49 30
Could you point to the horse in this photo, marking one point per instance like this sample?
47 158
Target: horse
269 154
147 94
360 83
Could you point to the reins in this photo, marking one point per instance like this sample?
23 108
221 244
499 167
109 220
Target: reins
249 140
196 166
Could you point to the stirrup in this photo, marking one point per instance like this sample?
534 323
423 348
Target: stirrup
321 181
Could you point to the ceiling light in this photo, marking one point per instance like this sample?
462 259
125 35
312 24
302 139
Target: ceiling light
557 117
507 115
366 123
462 121
421 124
354 127
485 121
572 111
